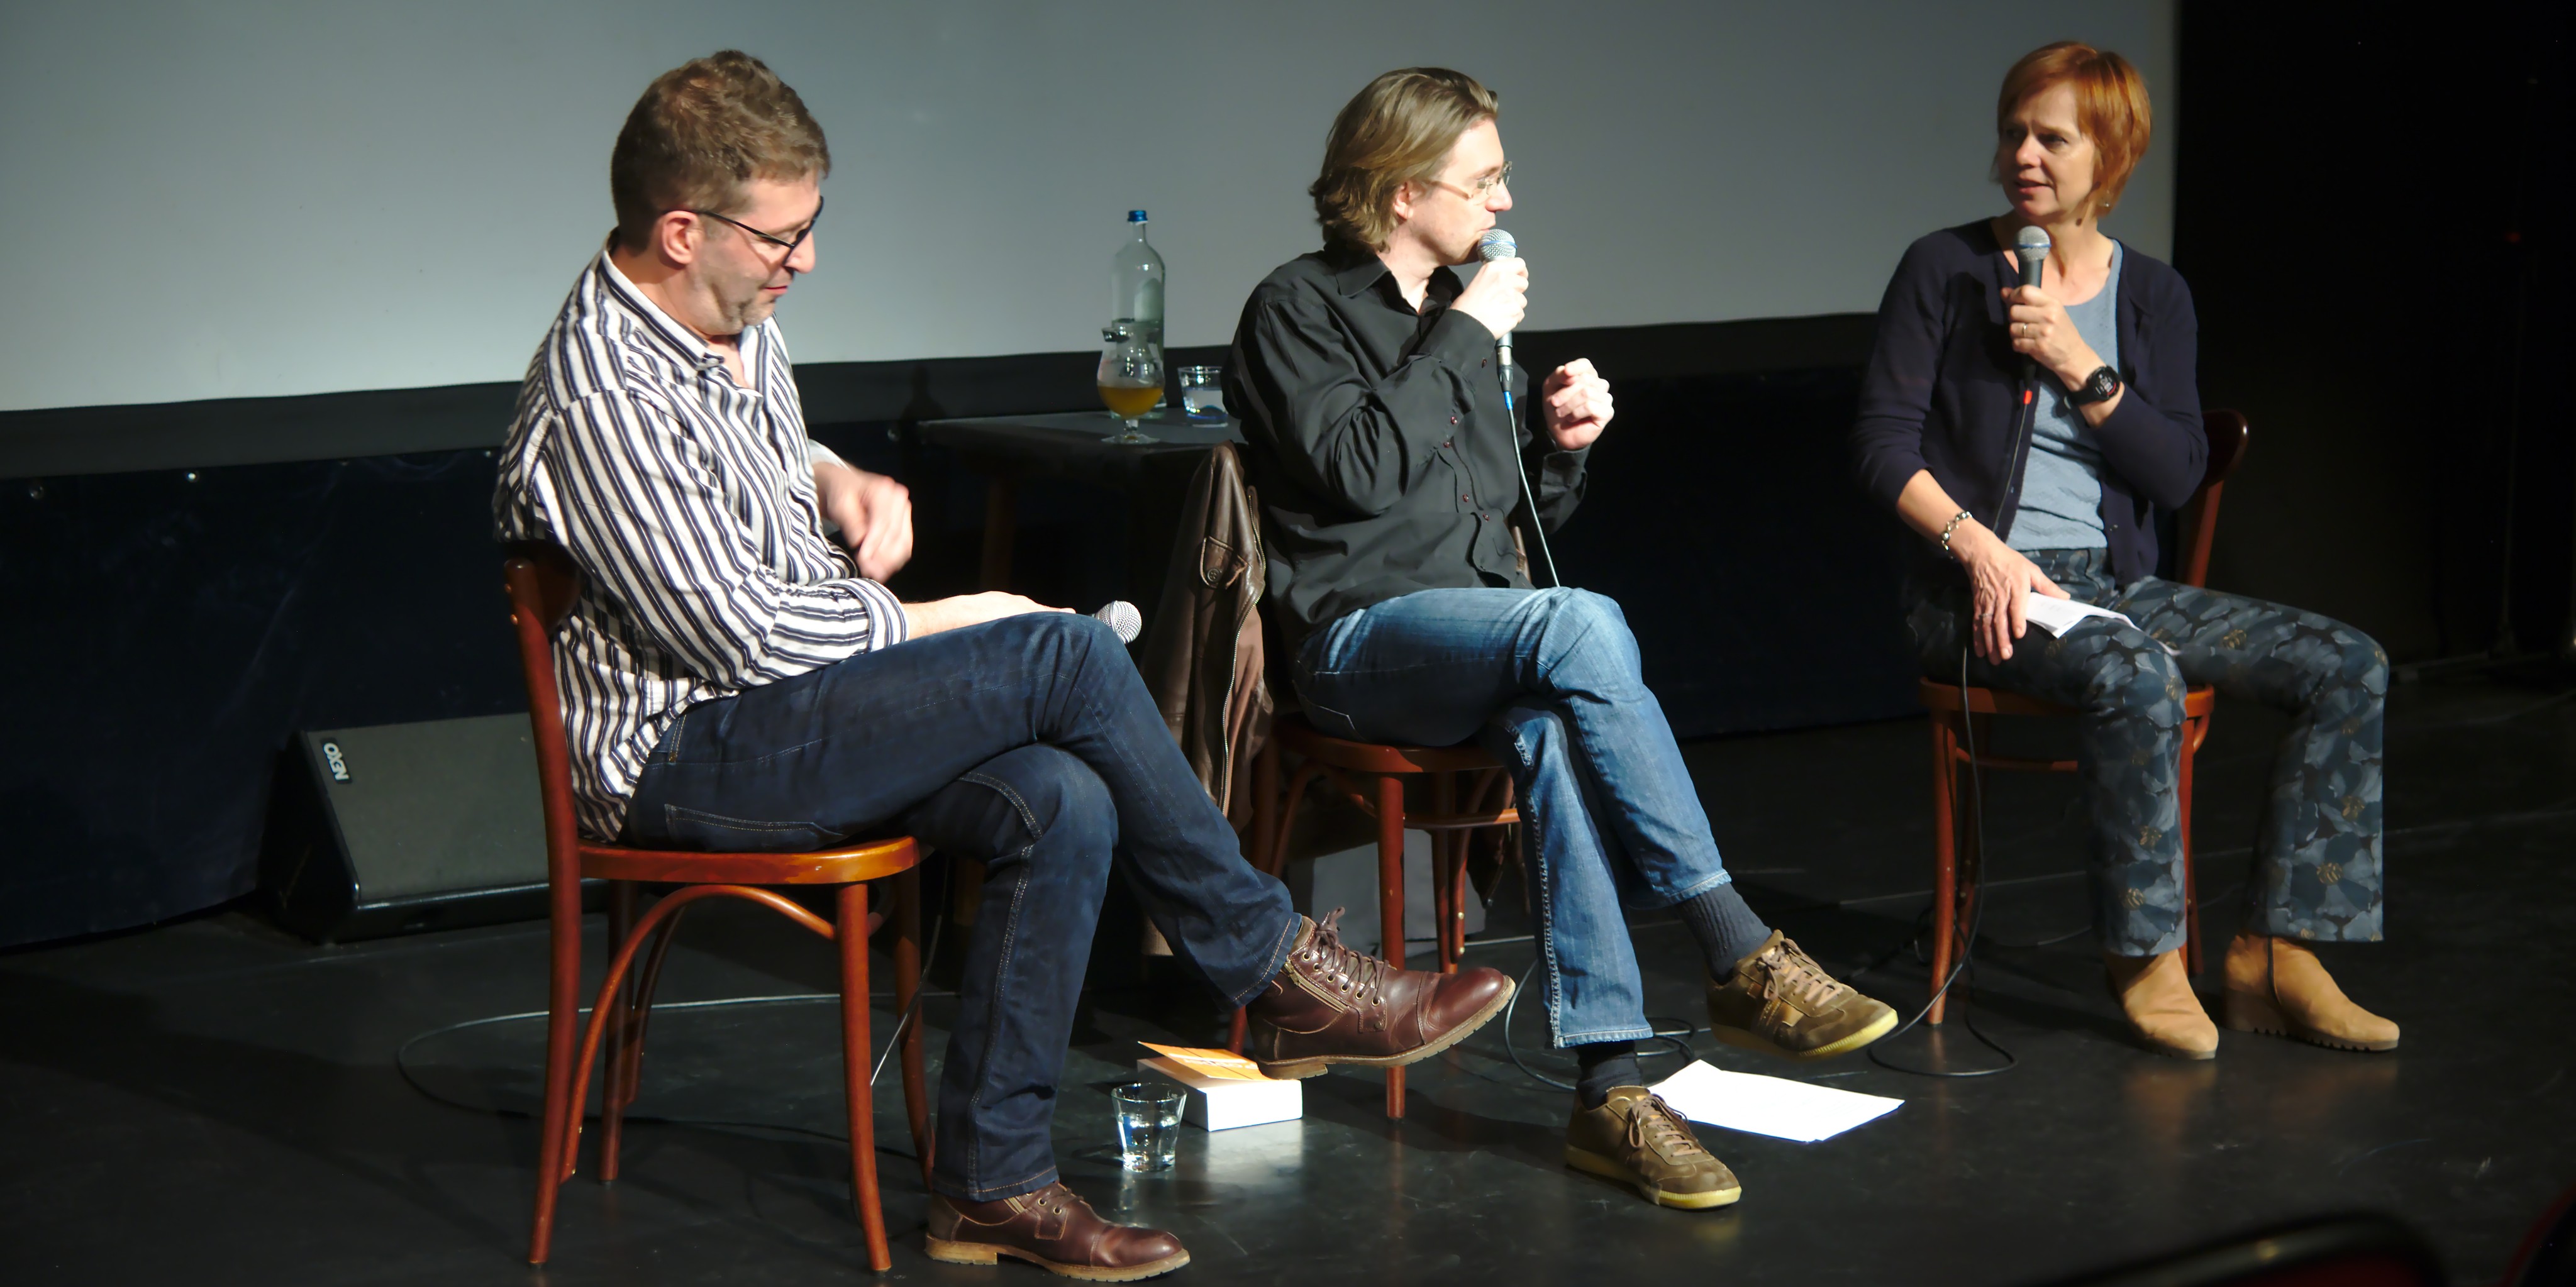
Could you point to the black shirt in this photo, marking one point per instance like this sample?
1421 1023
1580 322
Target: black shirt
1385 461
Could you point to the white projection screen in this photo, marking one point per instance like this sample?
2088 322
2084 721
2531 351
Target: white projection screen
215 200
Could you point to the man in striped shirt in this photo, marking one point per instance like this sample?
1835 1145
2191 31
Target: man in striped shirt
733 681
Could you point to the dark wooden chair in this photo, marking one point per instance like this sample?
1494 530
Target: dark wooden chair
543 581
1450 773
1957 848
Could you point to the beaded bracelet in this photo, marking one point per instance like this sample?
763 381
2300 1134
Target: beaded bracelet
1951 528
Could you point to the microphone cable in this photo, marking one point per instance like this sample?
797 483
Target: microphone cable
1964 966
1520 467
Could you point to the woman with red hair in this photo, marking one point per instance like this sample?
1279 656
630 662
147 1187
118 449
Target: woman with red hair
2059 498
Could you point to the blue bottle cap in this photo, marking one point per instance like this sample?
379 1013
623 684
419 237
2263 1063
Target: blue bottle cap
1135 216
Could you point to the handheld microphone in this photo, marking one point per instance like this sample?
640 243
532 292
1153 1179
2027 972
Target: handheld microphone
1498 244
1121 616
2031 246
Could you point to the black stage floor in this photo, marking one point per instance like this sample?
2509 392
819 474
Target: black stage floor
212 1102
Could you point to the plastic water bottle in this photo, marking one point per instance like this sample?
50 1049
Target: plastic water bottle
1136 288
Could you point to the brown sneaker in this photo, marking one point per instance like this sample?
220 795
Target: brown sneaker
2279 988
1637 1139
1332 1005
1779 1001
1054 1230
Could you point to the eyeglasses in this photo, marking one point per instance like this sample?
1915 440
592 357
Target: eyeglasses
791 246
1501 178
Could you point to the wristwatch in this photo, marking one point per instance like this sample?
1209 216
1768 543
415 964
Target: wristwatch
2097 387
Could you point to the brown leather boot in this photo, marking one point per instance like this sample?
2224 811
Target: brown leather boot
2277 987
1332 1005
1054 1230
2156 995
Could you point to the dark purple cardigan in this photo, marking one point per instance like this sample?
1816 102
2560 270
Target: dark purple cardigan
1940 393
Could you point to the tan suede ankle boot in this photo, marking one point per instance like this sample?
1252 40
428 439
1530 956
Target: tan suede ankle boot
2156 995
2278 987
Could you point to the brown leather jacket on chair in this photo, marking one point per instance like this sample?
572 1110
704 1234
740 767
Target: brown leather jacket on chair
1203 657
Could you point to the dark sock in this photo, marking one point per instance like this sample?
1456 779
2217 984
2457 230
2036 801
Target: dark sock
1728 930
1606 1064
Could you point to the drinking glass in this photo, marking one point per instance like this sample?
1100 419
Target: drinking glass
1203 392
1149 1124
1130 380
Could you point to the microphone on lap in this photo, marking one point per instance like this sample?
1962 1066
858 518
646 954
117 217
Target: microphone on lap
1498 244
1121 616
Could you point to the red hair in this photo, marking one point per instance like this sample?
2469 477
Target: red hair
2110 107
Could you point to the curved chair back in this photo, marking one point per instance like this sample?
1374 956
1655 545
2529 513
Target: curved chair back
2196 527
542 581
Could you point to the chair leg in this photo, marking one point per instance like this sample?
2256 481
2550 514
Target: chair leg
1945 856
1459 890
2190 897
1266 846
563 1016
1390 902
621 1017
851 936
628 1067
1444 801
907 988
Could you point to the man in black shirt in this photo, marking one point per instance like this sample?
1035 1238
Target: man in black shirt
1390 468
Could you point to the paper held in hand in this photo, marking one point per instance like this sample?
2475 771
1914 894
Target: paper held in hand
1226 1089
1773 1106
2057 616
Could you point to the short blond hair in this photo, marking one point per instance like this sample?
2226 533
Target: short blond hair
1399 130
2110 107
701 132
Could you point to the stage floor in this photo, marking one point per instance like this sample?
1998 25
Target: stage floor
212 1102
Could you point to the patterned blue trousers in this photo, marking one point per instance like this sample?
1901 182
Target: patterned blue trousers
2317 855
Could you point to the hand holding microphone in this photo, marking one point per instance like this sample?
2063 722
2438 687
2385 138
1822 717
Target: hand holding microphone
2041 331
1499 296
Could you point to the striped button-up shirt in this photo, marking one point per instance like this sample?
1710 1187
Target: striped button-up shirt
688 501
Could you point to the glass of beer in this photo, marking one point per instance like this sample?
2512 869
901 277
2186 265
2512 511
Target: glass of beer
1130 381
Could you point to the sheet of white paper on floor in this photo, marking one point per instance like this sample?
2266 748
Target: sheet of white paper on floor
1773 1106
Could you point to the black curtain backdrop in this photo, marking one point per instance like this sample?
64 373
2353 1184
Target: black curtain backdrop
2372 206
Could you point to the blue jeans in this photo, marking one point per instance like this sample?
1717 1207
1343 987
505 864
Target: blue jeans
1031 745
1549 680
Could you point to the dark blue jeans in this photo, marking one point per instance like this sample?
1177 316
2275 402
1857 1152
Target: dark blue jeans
1031 745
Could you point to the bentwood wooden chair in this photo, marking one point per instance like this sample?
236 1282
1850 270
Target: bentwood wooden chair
543 581
1452 774
1957 846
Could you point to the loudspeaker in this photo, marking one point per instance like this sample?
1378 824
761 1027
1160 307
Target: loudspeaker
406 827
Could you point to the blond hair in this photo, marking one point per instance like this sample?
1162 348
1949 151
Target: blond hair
1399 130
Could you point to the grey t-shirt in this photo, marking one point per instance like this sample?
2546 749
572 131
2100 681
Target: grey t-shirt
2061 486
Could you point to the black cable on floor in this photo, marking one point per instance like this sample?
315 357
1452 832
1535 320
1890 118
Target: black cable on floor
1677 1035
